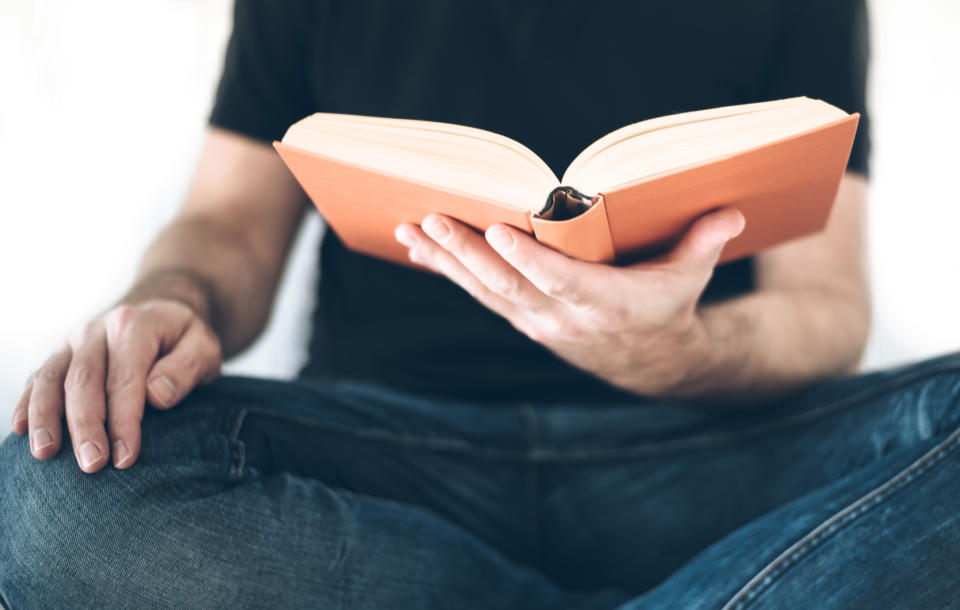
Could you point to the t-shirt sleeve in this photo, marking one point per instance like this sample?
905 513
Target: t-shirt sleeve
264 86
824 54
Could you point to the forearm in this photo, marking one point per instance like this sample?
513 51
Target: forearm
202 262
771 343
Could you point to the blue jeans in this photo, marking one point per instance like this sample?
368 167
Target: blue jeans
298 494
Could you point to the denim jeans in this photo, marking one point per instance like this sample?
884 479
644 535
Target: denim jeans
256 493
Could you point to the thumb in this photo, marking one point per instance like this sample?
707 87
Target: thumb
703 242
196 358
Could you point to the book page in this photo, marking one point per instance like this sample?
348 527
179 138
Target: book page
453 157
653 147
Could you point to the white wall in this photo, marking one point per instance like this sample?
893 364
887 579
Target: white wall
915 194
102 107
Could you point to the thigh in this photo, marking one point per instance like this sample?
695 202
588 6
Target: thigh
886 535
200 522
464 462
636 508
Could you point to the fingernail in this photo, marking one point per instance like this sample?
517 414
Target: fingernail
743 224
42 438
404 235
163 390
436 227
121 453
18 417
500 238
89 454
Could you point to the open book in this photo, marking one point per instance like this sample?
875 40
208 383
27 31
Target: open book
630 194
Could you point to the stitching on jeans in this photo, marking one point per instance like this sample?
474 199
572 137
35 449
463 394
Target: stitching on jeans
823 410
562 455
762 429
532 495
237 468
813 539
375 434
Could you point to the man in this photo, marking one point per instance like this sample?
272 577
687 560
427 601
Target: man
517 429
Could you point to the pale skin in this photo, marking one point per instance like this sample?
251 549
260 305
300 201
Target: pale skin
640 327
206 284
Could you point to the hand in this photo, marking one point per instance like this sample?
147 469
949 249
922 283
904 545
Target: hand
635 327
156 351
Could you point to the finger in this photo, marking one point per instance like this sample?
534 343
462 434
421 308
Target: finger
132 347
424 251
195 359
476 255
45 406
86 407
19 421
700 247
555 275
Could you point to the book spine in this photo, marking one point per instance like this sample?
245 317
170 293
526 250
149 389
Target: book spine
586 236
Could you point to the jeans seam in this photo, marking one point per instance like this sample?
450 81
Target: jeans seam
540 455
374 434
239 450
828 528
708 440
532 499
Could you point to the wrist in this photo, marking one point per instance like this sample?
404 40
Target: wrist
674 365
184 286
713 355
698 355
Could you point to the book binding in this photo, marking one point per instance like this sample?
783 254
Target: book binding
586 236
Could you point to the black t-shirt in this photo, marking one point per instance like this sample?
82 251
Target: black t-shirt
553 75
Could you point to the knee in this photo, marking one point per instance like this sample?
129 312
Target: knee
67 537
50 517
36 501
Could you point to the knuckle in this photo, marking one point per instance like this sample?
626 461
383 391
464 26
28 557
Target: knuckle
505 285
78 376
121 378
554 326
46 374
172 310
456 240
418 255
558 288
121 318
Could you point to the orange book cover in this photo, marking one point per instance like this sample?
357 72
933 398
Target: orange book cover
785 189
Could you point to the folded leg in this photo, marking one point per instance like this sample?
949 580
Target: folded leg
199 522
628 497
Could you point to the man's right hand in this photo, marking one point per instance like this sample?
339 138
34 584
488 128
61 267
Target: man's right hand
155 351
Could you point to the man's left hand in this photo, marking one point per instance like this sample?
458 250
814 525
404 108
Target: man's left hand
636 327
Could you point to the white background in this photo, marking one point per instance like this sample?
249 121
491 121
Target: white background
103 105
